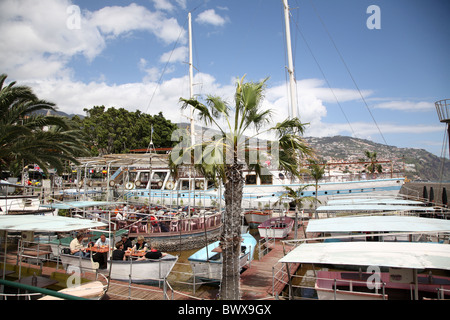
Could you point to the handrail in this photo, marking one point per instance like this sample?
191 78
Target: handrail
40 290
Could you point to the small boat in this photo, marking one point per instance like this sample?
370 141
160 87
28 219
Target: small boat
379 228
144 271
414 270
255 217
207 262
277 228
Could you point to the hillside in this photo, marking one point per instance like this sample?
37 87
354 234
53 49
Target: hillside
417 164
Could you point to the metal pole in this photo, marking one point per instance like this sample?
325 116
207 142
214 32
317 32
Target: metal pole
290 60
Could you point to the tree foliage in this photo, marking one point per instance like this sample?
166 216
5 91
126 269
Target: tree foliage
119 131
28 136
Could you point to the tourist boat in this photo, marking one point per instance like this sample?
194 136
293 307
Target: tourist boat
416 270
164 189
365 205
144 271
255 217
379 228
30 225
277 228
206 263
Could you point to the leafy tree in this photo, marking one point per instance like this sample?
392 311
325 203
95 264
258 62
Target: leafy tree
27 136
297 199
224 159
316 171
119 131
373 166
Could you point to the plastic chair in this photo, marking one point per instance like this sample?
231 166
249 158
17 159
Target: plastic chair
174 225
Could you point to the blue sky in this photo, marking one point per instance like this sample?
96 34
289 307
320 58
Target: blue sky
113 53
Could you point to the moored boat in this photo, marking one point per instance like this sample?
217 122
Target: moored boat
255 217
277 228
416 270
206 263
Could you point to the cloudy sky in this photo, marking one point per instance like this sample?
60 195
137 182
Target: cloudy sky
363 73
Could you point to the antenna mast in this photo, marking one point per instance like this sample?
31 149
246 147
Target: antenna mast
292 82
191 80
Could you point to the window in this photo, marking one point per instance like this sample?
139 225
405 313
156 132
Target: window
250 179
266 179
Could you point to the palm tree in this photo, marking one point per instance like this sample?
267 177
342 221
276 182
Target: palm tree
224 158
373 166
297 199
316 171
29 137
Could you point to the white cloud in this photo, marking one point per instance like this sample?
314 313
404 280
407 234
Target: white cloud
210 17
40 43
115 21
406 105
38 40
163 5
179 54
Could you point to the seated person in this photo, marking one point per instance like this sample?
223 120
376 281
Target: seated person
102 241
126 242
154 253
119 253
76 248
140 244
101 257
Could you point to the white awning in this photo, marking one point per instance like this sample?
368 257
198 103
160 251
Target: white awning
411 255
378 224
372 207
37 223
79 204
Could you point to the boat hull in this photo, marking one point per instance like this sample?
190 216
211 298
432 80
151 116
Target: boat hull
398 283
138 271
207 264
142 271
277 228
255 218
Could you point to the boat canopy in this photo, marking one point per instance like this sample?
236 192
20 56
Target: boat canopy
38 223
78 204
378 224
372 207
385 201
410 255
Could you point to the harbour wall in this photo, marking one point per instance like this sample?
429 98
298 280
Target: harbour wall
434 193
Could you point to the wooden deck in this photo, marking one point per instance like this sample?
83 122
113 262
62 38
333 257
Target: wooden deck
259 282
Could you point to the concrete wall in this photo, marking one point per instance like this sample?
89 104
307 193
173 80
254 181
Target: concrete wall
433 192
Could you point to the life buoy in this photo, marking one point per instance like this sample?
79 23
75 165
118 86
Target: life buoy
169 185
160 184
202 185
138 183
112 183
129 185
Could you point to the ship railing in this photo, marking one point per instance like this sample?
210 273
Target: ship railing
174 224
264 246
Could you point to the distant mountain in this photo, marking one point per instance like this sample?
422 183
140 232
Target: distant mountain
417 164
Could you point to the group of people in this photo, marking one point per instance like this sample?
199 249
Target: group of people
124 212
141 245
77 249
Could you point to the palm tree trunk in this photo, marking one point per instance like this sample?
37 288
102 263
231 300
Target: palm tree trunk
230 240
